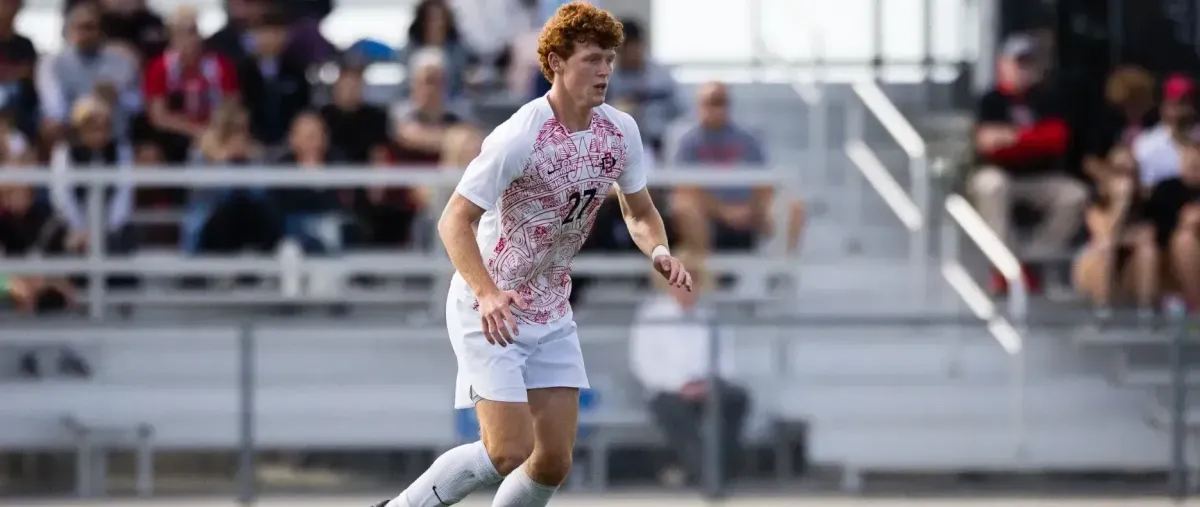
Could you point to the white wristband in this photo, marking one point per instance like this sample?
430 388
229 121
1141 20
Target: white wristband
659 250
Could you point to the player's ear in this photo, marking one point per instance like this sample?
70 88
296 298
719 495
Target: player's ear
556 63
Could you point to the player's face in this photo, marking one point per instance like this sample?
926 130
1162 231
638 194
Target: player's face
587 71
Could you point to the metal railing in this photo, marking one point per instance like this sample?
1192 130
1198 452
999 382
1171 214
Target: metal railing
97 264
251 345
1007 331
910 206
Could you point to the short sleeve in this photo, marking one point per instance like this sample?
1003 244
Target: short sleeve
154 82
229 76
633 177
500 161
754 151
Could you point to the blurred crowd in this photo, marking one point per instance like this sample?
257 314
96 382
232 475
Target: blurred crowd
1114 195
133 89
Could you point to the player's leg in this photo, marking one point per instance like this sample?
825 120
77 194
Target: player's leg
554 374
555 413
507 441
490 377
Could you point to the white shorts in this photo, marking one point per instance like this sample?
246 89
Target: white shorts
544 355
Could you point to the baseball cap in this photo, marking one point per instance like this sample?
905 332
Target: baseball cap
1178 87
1019 46
365 52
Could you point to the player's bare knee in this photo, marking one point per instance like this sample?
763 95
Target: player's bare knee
550 469
508 454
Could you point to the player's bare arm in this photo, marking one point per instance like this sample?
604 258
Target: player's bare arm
646 227
456 228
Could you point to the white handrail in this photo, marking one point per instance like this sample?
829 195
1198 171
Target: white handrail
885 184
1008 332
984 237
893 121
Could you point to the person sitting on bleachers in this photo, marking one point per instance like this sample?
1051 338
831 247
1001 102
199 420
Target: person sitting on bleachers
88 65
421 121
132 24
91 146
669 355
184 85
723 218
1120 262
647 87
1157 150
1108 159
1020 141
356 128
1174 209
273 87
227 221
434 28
18 93
29 228
310 215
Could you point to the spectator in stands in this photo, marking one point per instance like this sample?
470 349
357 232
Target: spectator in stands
1129 253
130 23
90 146
723 218
310 214
305 44
488 27
274 87
88 66
18 59
1020 140
28 227
433 27
524 73
671 361
233 41
184 85
644 84
356 129
421 122
1108 160
230 220
1157 151
1174 209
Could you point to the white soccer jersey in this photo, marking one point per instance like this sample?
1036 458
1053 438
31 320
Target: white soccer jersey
540 185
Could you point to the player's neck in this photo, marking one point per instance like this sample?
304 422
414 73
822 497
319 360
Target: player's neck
573 116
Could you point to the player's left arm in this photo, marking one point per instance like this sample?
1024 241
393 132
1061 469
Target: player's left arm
641 216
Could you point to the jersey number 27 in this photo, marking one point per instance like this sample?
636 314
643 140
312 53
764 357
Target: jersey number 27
576 212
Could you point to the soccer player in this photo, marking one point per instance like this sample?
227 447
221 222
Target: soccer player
512 228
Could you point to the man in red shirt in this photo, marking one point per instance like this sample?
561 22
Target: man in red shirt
1021 139
184 85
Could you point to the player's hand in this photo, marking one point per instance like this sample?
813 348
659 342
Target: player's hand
671 269
499 325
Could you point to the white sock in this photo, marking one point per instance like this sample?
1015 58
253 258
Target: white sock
450 478
518 490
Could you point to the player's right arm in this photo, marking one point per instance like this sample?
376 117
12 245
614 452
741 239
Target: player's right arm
484 181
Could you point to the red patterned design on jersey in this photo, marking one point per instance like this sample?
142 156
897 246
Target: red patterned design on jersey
547 213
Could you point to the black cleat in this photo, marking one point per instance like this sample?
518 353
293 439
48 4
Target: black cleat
383 503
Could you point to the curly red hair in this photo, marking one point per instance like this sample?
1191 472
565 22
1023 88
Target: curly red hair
577 22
